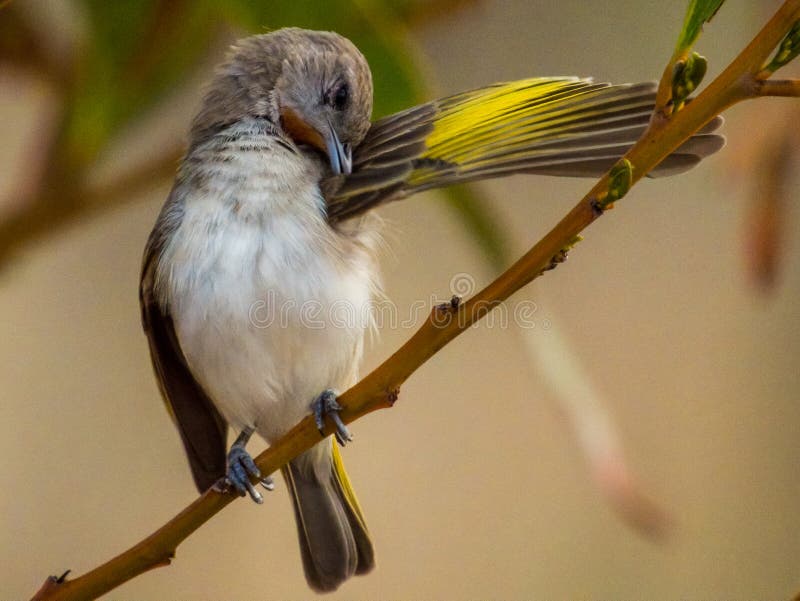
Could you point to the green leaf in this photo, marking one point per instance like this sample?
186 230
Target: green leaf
476 214
134 52
137 50
698 13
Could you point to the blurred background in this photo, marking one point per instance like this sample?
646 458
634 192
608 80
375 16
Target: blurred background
639 439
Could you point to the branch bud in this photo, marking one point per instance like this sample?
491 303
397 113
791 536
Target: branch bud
789 48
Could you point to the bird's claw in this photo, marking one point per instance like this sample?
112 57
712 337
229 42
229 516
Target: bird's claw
241 468
326 404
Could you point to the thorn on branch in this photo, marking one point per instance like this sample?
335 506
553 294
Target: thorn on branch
455 301
451 307
597 208
556 260
562 254
165 562
49 587
443 313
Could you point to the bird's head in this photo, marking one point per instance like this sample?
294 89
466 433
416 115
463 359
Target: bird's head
316 86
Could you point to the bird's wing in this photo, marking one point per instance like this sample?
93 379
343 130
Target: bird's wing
549 126
202 429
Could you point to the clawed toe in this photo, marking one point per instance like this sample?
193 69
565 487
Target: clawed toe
241 468
326 404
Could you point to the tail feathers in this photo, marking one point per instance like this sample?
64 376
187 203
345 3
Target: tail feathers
355 517
334 541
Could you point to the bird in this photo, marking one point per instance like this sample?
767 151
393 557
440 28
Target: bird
272 212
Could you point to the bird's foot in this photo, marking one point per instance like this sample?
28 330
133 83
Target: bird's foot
326 404
241 468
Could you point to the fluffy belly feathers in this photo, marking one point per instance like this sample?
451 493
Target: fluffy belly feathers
273 312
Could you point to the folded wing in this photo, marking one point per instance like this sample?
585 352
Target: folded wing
202 429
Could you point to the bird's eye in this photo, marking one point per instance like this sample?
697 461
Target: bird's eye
340 97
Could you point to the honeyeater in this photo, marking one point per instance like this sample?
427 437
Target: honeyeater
270 214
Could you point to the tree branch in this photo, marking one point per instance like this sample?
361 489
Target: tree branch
780 87
60 203
380 388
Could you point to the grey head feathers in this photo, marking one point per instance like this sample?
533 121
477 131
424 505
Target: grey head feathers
314 86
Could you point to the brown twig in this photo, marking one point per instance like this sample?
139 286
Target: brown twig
380 388
63 201
23 46
62 194
779 87
766 223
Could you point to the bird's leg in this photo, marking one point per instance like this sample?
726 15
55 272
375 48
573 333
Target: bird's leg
241 467
326 404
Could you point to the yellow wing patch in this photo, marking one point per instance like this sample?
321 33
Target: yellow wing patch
474 112
507 119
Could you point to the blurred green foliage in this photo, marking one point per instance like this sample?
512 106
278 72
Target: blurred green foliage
698 13
131 53
139 49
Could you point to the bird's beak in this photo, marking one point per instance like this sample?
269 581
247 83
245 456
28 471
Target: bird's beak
340 155
324 138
